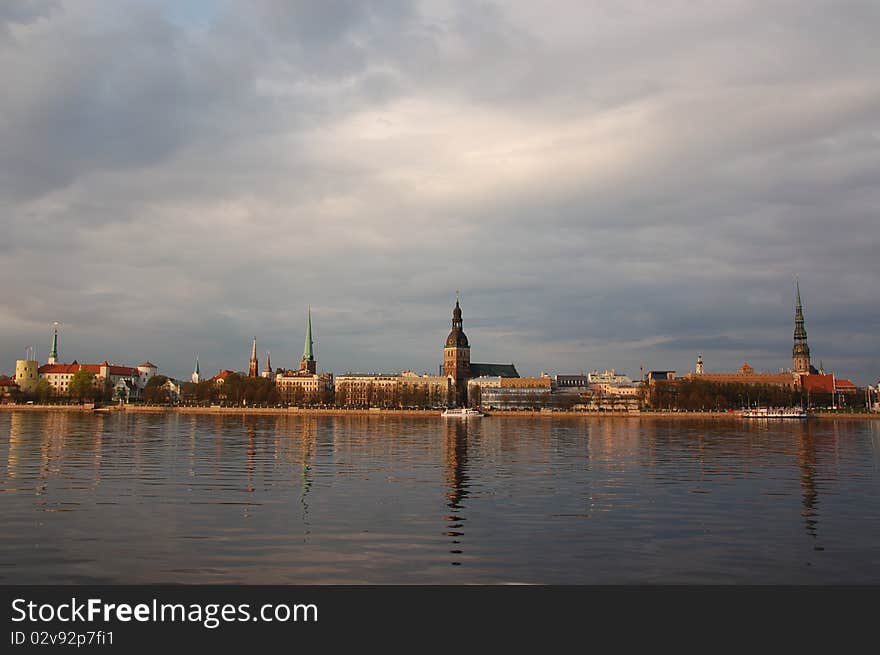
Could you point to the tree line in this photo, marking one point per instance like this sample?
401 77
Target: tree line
694 395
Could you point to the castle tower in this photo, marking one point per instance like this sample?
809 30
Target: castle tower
27 371
699 370
195 376
800 353
253 366
53 351
267 372
308 363
457 357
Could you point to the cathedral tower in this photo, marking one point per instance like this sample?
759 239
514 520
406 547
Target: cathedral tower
308 363
457 357
800 353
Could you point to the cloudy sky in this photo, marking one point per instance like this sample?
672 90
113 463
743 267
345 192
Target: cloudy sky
609 184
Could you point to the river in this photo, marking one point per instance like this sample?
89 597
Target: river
173 498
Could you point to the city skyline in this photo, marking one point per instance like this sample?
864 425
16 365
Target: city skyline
612 185
800 364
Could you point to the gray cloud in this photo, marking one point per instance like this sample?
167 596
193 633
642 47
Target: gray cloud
612 184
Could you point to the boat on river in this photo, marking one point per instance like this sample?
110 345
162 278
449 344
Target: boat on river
775 412
462 412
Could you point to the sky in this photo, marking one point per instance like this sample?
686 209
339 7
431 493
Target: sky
608 184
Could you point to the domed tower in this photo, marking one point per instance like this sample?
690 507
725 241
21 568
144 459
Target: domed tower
457 357
800 353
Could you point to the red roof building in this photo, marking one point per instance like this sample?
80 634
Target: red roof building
817 383
60 375
97 369
221 376
827 383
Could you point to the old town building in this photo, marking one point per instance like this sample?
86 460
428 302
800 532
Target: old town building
457 363
406 389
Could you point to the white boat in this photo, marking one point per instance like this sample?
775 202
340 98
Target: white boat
462 412
774 412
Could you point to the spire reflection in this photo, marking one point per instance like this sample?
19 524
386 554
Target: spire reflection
807 464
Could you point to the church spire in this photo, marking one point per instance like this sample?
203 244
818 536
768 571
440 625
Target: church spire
53 351
800 332
456 314
308 355
801 351
195 375
252 368
267 372
307 363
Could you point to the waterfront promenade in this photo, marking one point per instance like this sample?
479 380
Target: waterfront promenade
339 411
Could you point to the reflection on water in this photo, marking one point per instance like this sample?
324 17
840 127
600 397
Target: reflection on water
349 499
807 460
455 459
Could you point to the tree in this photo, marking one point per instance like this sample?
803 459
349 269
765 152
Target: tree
105 391
207 391
189 391
43 391
82 385
476 395
155 391
326 396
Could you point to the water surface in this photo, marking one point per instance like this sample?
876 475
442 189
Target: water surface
171 498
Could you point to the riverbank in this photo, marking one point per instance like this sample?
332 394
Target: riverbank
155 409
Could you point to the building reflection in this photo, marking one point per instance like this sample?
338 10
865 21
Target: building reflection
455 458
807 463
307 444
875 439
17 428
250 456
56 426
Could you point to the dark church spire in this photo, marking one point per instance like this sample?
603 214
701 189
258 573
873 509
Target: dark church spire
456 316
800 332
252 365
801 351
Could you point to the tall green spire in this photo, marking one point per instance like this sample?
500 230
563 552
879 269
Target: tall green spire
53 351
308 355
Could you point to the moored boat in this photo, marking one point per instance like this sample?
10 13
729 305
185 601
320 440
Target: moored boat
462 412
775 412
